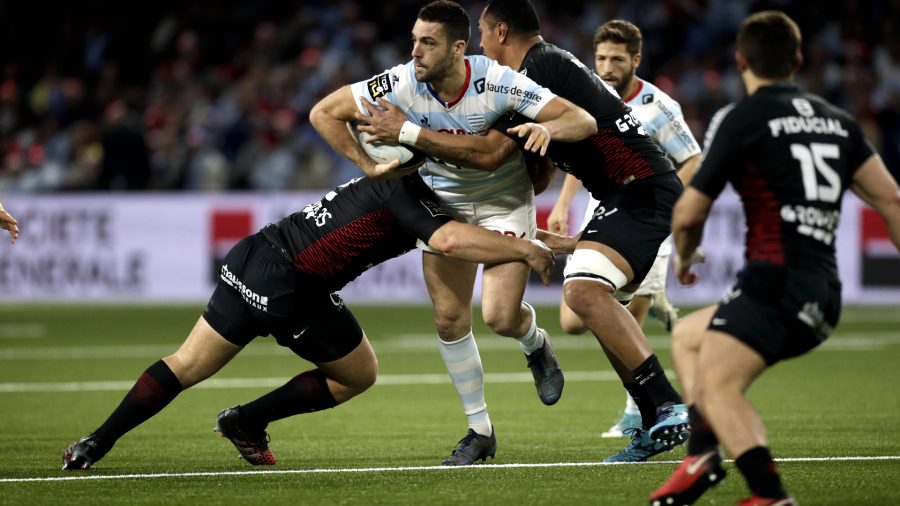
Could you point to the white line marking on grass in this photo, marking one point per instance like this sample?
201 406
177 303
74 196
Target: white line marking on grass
408 468
408 343
218 383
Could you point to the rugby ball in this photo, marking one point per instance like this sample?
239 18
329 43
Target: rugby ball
383 153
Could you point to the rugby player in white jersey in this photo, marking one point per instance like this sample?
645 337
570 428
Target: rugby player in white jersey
444 90
617 53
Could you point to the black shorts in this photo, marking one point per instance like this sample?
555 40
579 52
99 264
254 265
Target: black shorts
260 293
779 312
635 219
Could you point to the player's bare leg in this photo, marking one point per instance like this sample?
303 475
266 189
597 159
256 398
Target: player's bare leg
203 353
450 284
503 286
588 293
686 338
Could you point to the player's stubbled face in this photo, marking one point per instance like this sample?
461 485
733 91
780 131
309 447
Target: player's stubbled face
430 51
614 64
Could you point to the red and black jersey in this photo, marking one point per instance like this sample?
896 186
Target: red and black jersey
620 152
790 155
357 226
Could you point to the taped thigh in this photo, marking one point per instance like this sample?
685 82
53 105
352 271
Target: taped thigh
591 265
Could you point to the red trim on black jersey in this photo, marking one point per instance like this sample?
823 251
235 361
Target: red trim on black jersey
329 256
637 90
623 164
763 212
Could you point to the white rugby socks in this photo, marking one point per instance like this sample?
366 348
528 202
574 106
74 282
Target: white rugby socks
532 340
464 365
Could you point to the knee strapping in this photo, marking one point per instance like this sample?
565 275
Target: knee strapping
591 265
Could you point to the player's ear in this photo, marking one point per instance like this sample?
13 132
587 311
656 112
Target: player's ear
636 60
502 32
740 61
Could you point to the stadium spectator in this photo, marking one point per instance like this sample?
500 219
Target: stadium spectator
617 51
442 89
280 281
186 64
790 155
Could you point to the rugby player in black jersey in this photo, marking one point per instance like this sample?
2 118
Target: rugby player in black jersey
790 155
281 281
622 168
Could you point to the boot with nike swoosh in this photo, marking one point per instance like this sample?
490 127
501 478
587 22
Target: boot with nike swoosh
694 476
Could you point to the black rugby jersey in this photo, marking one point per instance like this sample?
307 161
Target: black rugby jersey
790 155
357 226
619 152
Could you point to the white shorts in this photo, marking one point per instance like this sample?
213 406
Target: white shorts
655 282
511 214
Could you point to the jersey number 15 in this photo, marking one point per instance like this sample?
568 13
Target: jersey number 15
812 160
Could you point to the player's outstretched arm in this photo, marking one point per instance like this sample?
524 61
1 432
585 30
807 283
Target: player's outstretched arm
482 152
874 184
8 223
559 120
560 244
558 221
475 244
688 219
330 117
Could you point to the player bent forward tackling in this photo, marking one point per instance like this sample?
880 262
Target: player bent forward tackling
281 281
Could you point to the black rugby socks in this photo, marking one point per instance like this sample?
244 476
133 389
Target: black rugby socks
652 378
152 391
758 468
644 403
304 393
703 439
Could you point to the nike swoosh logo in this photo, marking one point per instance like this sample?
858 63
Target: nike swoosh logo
300 334
693 468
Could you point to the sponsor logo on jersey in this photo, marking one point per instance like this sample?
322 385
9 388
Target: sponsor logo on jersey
646 99
250 297
800 124
379 86
479 86
434 208
317 212
514 91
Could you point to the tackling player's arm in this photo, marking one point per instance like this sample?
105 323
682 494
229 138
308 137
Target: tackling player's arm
558 120
8 223
873 183
330 117
688 219
558 220
687 169
480 245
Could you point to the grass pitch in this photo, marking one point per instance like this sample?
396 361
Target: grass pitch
832 418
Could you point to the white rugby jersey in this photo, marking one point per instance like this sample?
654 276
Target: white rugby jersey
662 120
491 90
664 123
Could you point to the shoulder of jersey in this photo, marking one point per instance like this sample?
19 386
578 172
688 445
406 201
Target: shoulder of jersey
649 94
397 80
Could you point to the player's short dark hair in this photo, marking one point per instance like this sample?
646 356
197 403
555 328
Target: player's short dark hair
519 15
770 40
619 31
450 14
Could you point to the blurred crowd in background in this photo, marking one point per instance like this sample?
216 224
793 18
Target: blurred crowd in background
215 96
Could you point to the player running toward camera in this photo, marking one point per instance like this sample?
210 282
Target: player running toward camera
635 184
281 281
617 52
442 89
790 155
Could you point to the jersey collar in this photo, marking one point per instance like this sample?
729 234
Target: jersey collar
637 90
462 92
